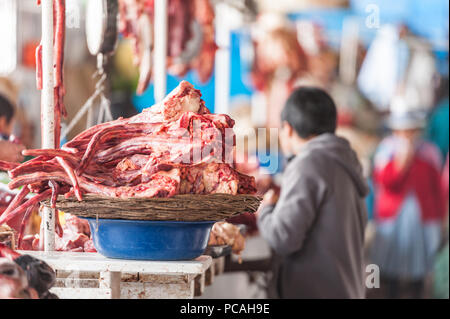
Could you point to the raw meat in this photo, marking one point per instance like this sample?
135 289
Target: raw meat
175 147
204 62
75 237
77 225
23 276
276 71
286 55
6 166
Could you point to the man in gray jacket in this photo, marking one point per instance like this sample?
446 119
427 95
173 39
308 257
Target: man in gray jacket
316 228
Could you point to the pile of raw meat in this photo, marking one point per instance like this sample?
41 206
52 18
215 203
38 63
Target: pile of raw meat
191 44
175 147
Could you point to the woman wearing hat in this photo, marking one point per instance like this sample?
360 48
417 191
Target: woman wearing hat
409 205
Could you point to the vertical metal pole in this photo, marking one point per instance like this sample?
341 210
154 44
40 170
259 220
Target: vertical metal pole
160 56
223 56
47 110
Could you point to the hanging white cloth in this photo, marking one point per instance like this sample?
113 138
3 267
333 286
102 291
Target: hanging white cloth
381 70
419 80
398 69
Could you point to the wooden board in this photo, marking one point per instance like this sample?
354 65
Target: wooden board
90 275
94 262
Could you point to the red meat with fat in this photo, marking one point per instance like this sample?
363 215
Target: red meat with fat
174 147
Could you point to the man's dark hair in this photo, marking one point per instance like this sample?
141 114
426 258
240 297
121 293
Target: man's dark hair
6 109
310 111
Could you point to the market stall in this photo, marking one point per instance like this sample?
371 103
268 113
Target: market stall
218 149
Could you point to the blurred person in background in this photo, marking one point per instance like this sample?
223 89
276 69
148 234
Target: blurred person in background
409 208
441 267
275 71
10 151
316 227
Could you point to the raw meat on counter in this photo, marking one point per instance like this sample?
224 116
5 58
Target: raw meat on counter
6 198
76 237
175 147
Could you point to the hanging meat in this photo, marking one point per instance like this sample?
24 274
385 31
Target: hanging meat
191 44
203 64
276 70
285 58
175 147
59 32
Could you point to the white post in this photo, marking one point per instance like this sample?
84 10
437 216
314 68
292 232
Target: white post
223 56
349 51
160 56
47 110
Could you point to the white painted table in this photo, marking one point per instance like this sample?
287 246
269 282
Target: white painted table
90 275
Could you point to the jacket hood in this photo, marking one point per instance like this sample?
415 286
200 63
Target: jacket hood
339 150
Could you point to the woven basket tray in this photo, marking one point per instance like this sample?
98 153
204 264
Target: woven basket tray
214 207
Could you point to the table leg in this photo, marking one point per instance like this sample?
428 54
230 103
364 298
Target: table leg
111 280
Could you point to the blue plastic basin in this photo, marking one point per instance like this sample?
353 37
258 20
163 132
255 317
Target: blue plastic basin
150 240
